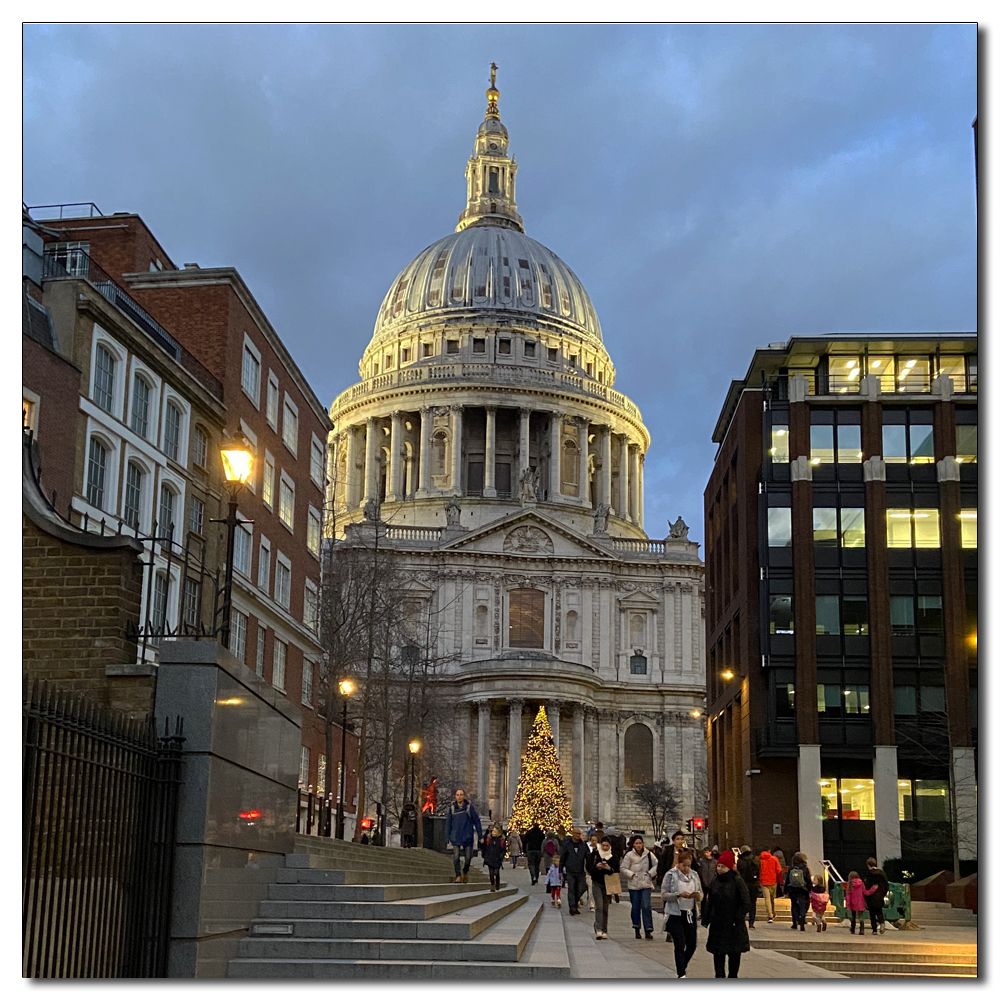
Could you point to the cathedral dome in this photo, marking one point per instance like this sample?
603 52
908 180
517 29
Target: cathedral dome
493 268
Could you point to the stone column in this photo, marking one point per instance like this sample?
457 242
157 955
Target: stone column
810 803
395 491
483 777
350 487
456 449
633 482
464 744
555 459
424 472
584 460
552 711
966 805
490 472
607 764
640 487
887 839
623 476
524 453
371 460
579 811
516 706
605 494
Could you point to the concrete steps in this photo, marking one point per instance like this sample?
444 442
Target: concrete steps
859 958
942 915
327 917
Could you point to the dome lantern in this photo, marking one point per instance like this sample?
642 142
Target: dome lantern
490 173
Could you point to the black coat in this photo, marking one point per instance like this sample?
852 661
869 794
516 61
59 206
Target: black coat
574 857
594 858
532 840
724 912
494 849
805 872
749 870
875 876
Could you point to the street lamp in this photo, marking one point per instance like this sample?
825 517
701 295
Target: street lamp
346 688
237 467
414 746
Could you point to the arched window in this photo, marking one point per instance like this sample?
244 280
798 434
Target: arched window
342 473
482 620
526 619
572 626
638 755
167 514
439 454
97 466
570 467
104 378
140 406
132 506
172 431
637 630
158 613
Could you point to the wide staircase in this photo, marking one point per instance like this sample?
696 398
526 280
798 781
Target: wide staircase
941 915
881 956
342 911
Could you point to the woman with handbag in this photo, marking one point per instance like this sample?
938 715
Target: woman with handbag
638 867
603 866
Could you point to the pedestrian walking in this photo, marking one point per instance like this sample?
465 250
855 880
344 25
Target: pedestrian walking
592 844
532 842
876 889
780 856
638 866
494 849
705 867
854 901
798 883
553 885
461 824
748 868
602 866
819 899
681 890
770 876
550 848
671 856
514 847
573 862
724 914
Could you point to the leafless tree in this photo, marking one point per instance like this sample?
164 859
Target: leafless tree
659 799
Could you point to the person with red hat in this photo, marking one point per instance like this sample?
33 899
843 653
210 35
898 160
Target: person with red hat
724 913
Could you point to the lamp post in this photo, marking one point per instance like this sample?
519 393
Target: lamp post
346 688
414 746
237 466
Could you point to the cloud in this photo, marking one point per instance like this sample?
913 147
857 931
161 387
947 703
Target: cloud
715 187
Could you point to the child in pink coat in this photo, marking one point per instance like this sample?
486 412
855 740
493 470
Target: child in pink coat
820 899
854 900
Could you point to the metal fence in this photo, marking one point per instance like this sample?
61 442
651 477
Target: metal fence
99 807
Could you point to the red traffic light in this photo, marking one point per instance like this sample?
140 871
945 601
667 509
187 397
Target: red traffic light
251 814
367 823
698 823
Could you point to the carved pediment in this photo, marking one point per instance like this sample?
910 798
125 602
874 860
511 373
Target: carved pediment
527 538
638 600
530 533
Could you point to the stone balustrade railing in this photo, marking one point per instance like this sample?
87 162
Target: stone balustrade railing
490 373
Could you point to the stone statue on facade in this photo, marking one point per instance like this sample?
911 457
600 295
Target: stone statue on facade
370 510
529 485
601 519
679 529
453 512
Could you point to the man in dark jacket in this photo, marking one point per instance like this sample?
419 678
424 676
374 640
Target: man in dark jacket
462 822
705 866
798 883
670 855
532 842
748 868
573 865
876 887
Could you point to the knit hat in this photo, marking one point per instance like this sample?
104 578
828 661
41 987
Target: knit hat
728 859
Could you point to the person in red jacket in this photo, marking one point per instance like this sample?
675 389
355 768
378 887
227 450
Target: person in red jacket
770 874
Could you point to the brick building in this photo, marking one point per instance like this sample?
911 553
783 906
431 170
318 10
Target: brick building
841 605
213 317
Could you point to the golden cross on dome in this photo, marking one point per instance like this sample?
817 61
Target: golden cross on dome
493 74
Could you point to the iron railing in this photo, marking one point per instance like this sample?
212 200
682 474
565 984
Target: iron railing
99 808
316 813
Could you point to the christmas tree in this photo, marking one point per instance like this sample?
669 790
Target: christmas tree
541 795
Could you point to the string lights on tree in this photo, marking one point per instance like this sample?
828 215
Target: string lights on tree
541 795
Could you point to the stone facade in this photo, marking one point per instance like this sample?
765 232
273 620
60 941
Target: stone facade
486 447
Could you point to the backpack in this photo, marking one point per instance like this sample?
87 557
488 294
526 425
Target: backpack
796 878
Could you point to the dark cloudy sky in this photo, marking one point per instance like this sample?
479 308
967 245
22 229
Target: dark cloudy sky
715 187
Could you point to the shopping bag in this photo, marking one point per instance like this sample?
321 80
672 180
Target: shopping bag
612 884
